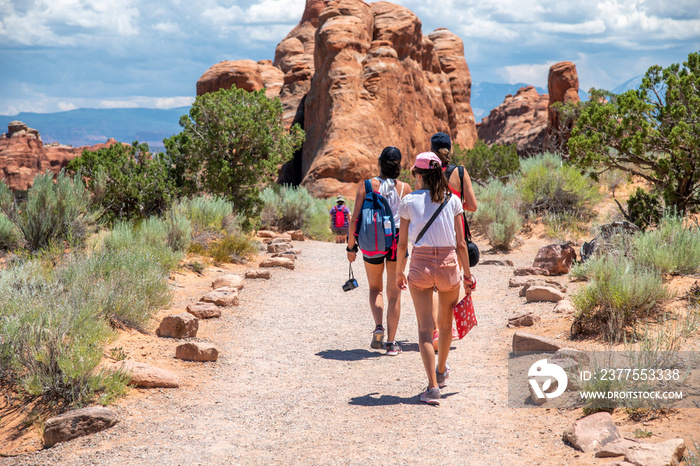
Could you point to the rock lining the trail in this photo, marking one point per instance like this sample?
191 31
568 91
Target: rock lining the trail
183 325
78 423
144 375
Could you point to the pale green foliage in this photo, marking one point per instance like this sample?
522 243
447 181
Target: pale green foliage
619 293
55 210
152 235
205 212
673 247
547 184
497 215
9 235
54 322
292 208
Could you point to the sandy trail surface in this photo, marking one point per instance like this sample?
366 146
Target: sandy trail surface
297 383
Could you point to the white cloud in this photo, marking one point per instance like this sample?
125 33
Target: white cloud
66 106
222 17
167 28
39 103
276 11
66 22
534 74
596 26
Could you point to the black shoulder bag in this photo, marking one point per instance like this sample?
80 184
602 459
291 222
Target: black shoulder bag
471 246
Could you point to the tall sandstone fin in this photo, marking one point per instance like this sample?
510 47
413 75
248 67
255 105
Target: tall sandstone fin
359 77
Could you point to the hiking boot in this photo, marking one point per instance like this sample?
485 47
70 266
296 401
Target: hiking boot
431 396
441 377
377 338
393 348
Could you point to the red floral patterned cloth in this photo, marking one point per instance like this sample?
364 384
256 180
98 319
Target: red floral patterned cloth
465 318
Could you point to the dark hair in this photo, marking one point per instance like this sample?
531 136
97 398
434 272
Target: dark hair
434 180
390 162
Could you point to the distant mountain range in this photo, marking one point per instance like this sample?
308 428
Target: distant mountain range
91 126
86 126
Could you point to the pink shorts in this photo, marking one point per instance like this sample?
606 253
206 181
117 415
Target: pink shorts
434 267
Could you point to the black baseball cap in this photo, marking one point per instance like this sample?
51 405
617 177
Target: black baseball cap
439 141
390 154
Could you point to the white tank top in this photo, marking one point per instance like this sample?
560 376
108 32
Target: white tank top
387 188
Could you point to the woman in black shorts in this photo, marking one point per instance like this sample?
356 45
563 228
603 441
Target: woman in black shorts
393 190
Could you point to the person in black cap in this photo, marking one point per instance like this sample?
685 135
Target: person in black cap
393 190
441 145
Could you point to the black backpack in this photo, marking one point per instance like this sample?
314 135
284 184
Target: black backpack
471 247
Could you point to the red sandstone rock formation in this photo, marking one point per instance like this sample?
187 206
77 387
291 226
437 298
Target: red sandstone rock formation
563 87
23 155
295 57
359 77
519 120
243 74
379 82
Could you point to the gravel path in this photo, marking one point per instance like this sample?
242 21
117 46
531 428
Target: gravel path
297 383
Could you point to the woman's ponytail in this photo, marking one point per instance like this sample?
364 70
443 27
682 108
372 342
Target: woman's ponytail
434 180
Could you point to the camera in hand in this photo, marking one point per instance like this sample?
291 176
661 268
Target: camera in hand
351 284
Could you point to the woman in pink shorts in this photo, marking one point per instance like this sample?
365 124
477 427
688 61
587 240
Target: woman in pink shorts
435 263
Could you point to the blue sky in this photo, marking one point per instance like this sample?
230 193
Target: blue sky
64 54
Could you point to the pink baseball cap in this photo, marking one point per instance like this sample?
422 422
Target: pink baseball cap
423 160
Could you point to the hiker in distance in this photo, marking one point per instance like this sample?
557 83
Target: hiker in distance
340 219
392 190
431 220
461 185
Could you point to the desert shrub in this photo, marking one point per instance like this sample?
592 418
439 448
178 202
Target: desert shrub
547 184
649 132
54 322
128 284
644 209
619 293
205 212
151 237
128 182
231 144
673 247
236 248
497 216
57 210
9 236
563 226
292 208
173 230
485 163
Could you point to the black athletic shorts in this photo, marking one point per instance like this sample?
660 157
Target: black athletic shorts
390 256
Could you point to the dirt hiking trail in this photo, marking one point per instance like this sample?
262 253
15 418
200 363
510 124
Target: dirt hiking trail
296 382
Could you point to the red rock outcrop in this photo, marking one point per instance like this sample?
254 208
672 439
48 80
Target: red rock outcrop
563 87
295 57
359 77
243 74
379 82
23 155
521 120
